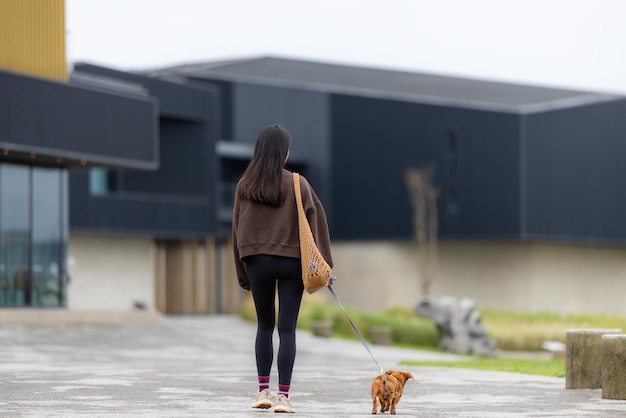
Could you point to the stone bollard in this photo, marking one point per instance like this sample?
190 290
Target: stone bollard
322 328
614 367
583 357
380 335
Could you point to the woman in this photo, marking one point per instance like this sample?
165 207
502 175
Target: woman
267 254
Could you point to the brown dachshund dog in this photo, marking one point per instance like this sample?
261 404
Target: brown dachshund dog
387 390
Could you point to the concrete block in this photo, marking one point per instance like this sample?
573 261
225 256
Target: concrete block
380 335
614 367
583 357
322 328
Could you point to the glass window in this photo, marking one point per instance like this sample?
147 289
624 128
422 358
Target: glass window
47 235
98 181
33 235
65 228
15 281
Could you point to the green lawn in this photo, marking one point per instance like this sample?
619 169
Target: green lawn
527 331
543 367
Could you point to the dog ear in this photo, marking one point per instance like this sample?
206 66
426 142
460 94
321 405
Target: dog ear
408 376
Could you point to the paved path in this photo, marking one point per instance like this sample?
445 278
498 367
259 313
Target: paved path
192 367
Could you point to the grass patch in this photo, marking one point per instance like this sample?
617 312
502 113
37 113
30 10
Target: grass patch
549 367
512 331
527 331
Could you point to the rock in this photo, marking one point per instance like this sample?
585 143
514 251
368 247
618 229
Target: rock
459 325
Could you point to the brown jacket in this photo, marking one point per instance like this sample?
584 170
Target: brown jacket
263 229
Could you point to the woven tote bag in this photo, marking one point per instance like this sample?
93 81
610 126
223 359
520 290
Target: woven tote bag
315 270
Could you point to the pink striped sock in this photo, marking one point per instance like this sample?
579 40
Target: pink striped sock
264 383
283 390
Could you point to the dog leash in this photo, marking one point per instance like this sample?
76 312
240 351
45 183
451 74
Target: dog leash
356 330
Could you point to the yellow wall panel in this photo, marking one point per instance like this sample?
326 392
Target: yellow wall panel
32 37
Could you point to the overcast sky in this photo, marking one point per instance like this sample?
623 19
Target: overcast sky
563 43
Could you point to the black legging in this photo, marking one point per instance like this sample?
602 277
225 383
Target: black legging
264 272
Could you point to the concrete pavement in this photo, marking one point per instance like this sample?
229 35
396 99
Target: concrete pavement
204 366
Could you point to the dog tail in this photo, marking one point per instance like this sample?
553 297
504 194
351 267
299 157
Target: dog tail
385 388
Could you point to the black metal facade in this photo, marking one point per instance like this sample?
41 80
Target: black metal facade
575 173
511 162
178 199
44 122
375 142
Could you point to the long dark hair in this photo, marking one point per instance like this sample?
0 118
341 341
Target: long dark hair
262 180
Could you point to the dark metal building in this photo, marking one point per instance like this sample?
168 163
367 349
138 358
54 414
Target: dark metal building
511 161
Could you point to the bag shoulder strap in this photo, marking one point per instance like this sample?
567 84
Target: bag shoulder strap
297 190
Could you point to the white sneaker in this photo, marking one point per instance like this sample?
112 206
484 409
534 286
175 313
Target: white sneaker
283 405
263 400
